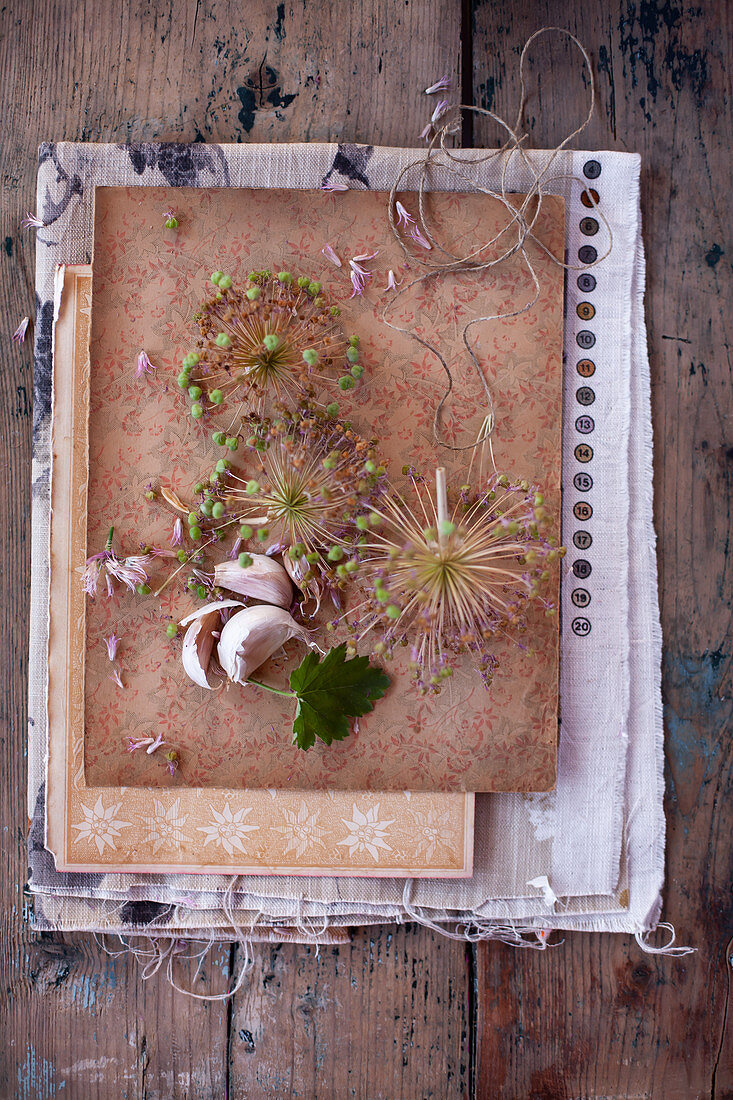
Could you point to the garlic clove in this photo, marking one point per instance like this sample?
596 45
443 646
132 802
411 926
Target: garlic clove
198 642
312 588
265 579
253 635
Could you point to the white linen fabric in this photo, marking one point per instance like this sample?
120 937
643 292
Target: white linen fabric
595 844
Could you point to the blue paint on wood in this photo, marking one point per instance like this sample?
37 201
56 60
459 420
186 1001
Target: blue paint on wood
37 1078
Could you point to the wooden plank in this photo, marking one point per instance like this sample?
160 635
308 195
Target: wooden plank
386 1017
75 1022
596 1017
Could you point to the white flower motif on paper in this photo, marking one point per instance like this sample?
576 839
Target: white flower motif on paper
165 826
302 830
100 825
434 832
228 829
367 832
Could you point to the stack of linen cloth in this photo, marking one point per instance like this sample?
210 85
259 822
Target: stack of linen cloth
587 856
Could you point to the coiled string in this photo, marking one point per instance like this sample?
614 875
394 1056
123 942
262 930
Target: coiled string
512 238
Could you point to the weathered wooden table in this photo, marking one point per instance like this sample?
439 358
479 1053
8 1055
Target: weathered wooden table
403 1013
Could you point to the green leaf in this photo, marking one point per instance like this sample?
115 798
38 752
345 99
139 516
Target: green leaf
331 691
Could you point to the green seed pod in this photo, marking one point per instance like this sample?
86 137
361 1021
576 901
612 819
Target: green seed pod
245 560
172 630
218 510
346 382
223 341
216 277
353 355
216 397
225 282
253 293
194 392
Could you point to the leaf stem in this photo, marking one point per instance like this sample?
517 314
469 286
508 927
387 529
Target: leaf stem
275 691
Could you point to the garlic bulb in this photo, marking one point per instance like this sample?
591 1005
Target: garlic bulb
198 642
265 579
253 635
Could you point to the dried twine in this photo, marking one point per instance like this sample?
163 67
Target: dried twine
513 235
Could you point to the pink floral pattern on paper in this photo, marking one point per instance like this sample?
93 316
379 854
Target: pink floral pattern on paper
146 289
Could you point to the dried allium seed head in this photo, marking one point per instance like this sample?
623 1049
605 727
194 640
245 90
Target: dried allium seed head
275 338
452 584
310 482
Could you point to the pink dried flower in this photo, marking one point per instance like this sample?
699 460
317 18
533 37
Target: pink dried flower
140 743
403 218
359 273
440 110
19 334
334 185
358 283
32 221
117 677
131 571
144 366
172 758
441 85
329 253
418 238
155 744
392 283
177 536
112 642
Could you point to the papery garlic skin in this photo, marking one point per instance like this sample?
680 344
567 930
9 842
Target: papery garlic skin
298 569
253 635
265 579
198 642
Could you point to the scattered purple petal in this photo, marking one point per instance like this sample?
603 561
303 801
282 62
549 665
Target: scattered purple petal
441 85
392 283
155 744
234 552
403 217
440 110
177 536
117 677
418 238
426 131
19 334
144 366
358 283
329 253
112 642
334 185
32 221
139 743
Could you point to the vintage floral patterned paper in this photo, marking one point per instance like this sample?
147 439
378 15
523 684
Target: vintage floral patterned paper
188 829
147 283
